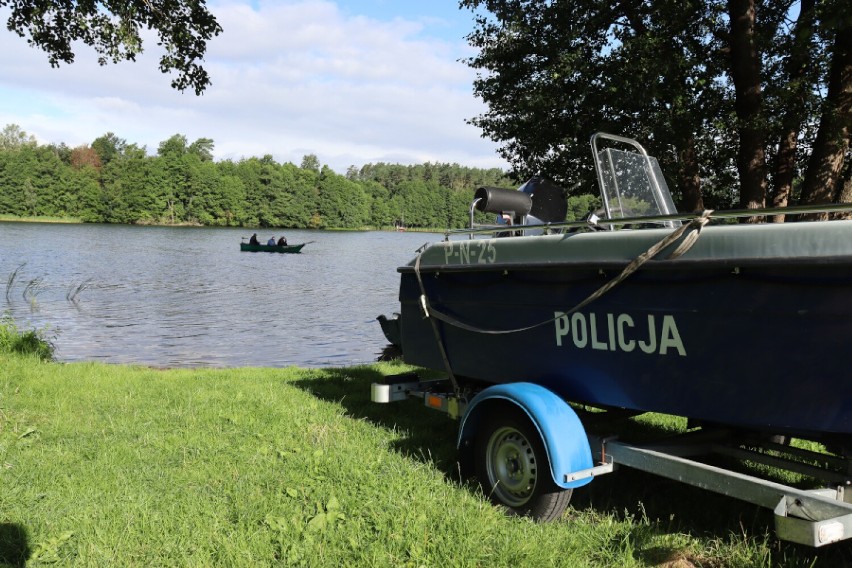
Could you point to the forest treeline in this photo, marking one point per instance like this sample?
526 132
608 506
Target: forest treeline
113 181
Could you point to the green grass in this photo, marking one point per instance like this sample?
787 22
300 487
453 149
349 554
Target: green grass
25 342
40 219
130 466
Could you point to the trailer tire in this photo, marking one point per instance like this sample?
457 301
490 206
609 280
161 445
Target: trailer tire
512 467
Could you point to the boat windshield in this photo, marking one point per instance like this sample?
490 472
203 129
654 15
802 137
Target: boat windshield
631 182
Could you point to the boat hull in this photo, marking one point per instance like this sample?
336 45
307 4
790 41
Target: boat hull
751 335
245 247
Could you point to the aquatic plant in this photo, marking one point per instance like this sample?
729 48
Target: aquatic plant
74 290
31 291
11 280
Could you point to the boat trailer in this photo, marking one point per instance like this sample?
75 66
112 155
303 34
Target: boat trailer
813 517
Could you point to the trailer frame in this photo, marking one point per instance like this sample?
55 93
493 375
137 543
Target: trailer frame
812 517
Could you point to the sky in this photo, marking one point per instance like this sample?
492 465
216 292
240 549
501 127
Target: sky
350 81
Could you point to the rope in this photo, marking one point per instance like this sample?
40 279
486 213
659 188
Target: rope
424 306
693 228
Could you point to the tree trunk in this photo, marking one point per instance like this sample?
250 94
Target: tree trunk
690 180
745 72
798 65
845 194
825 167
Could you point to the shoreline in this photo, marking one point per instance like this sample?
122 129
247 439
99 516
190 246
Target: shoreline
76 221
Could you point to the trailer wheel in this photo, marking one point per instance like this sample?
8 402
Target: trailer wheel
512 467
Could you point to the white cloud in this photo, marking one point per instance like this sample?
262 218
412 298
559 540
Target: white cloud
288 79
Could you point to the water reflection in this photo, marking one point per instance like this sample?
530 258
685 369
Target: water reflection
183 297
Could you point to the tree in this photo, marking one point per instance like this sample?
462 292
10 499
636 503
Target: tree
557 72
380 210
190 186
113 29
131 191
84 156
794 99
61 151
310 162
341 203
719 90
746 75
115 182
824 179
85 190
109 146
304 195
32 181
228 206
12 138
203 148
176 145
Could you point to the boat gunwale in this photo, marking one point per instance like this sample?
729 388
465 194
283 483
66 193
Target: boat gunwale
661 264
820 243
609 225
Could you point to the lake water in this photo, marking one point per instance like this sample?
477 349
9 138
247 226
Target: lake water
187 297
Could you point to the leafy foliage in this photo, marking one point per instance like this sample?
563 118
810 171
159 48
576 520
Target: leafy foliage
728 94
13 138
113 28
112 181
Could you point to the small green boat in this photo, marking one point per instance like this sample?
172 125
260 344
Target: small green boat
246 247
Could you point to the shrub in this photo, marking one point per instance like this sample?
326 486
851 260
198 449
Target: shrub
32 342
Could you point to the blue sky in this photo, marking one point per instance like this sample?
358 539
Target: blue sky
352 81
443 17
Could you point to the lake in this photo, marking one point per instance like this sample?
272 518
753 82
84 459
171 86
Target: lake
187 296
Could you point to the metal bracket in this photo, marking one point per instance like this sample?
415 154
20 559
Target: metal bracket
602 469
814 522
395 388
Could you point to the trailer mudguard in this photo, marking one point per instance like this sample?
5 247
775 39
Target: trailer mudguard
564 437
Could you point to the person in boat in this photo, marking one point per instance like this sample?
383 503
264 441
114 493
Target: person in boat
282 242
504 218
271 241
253 240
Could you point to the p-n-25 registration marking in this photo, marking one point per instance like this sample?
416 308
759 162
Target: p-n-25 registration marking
470 252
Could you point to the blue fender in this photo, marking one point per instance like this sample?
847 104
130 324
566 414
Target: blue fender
564 437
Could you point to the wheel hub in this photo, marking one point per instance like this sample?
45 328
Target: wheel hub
511 467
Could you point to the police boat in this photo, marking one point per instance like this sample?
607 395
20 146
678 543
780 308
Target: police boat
739 327
643 308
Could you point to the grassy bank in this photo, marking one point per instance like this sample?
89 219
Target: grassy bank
114 465
39 219
32 342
